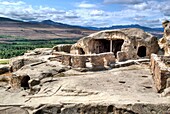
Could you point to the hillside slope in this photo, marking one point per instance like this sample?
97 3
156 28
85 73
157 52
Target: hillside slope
48 29
40 30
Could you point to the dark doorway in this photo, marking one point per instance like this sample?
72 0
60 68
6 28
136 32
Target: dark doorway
141 51
110 109
24 82
117 45
101 46
81 51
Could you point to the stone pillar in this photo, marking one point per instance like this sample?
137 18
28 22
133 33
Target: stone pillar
66 60
109 58
15 81
111 46
121 56
97 61
78 61
160 73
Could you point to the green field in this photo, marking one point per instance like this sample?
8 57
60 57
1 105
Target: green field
4 61
18 46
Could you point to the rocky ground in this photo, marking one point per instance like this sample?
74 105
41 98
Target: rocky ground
57 89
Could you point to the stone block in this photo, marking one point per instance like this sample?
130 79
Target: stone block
66 60
18 62
160 73
78 61
121 56
62 47
97 61
4 69
108 59
168 83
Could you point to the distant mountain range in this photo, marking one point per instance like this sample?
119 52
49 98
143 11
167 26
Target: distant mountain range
147 29
155 31
57 24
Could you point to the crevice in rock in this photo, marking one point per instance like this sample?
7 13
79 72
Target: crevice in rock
24 82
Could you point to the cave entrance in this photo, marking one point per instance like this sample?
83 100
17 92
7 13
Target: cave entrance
24 82
116 45
141 51
81 51
101 46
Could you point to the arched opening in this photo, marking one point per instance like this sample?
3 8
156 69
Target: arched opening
101 46
81 51
24 82
110 109
141 51
117 45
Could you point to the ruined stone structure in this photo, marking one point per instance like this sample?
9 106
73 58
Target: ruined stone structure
160 64
161 73
124 43
97 61
164 42
43 80
62 47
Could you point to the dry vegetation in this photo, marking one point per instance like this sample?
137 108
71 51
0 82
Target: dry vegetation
40 31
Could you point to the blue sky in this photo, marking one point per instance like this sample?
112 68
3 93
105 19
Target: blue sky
98 13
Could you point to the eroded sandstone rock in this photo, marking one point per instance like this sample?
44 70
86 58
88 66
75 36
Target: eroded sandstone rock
134 42
18 62
164 42
4 69
62 47
122 56
161 72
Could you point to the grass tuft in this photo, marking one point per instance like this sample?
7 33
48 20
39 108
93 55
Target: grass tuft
4 61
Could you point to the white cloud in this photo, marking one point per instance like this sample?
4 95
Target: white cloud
11 3
84 4
141 6
149 13
123 1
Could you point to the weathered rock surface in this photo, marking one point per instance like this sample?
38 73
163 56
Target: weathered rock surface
164 42
4 69
126 90
32 74
161 73
39 51
134 42
62 47
37 55
48 84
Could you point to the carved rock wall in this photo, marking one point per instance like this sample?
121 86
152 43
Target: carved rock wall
126 40
79 61
164 42
62 47
160 71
